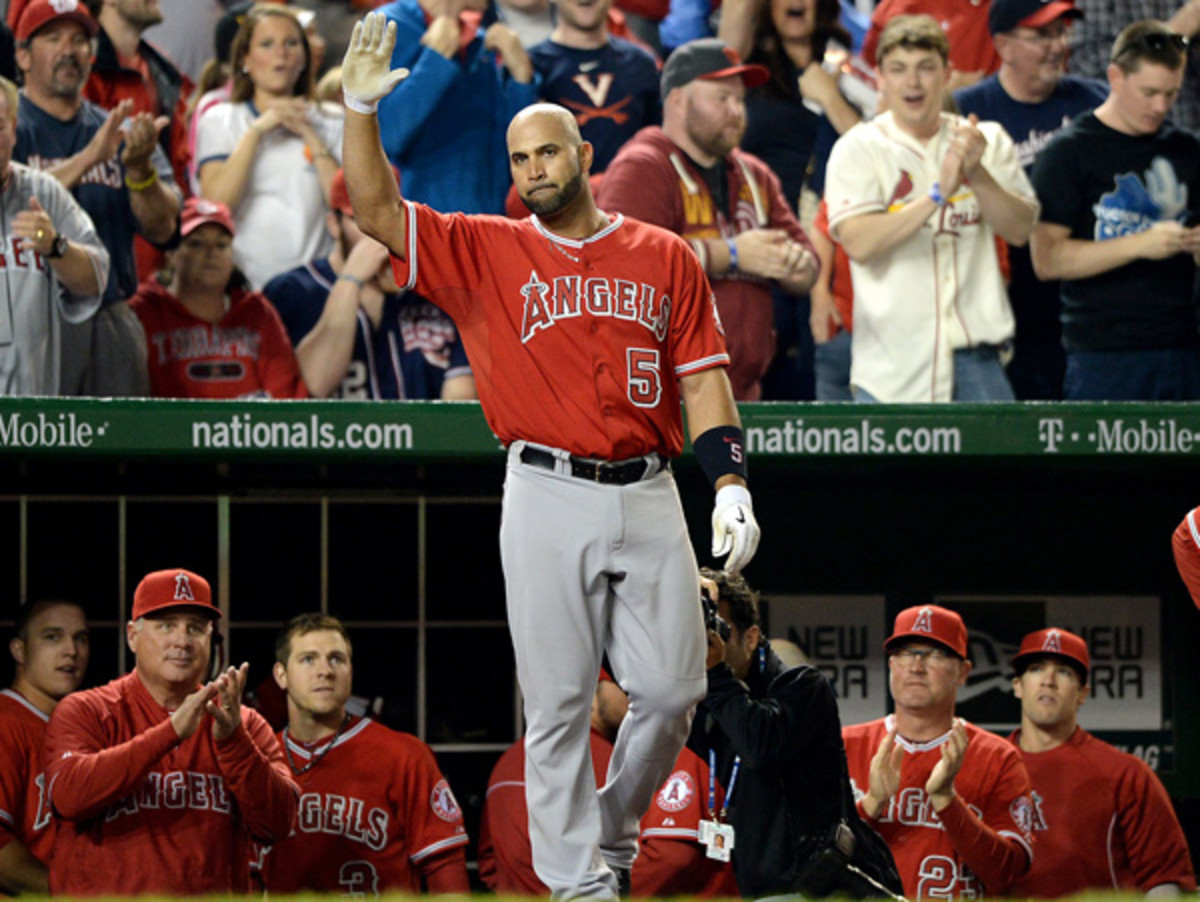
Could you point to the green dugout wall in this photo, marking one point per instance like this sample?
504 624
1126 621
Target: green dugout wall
386 514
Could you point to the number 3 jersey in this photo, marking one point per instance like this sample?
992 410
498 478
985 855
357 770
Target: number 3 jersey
374 810
976 846
574 344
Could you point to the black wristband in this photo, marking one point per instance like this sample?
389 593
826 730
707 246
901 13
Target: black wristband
721 451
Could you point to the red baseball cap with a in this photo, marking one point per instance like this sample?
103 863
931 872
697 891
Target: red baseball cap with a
197 212
930 623
41 13
165 590
1055 642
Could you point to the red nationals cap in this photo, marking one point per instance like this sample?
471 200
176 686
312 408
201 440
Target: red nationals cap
931 624
1055 642
171 589
197 212
41 13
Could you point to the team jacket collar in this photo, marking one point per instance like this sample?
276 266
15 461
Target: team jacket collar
307 751
614 224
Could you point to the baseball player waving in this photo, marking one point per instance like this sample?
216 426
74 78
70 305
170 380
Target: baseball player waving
585 331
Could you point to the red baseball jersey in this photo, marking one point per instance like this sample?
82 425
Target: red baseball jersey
246 355
1102 820
374 811
671 861
980 842
574 344
142 812
1186 545
505 860
24 813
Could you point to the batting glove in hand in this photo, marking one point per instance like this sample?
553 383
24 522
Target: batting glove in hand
735 531
367 73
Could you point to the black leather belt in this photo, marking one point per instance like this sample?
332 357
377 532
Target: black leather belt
621 472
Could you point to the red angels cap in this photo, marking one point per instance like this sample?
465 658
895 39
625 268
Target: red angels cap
932 624
197 212
339 197
40 13
1058 643
708 58
169 589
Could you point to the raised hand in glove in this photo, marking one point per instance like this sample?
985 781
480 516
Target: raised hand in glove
367 73
735 531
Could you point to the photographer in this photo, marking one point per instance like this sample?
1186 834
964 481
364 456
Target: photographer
776 740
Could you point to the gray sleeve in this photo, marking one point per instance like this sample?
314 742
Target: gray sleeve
72 220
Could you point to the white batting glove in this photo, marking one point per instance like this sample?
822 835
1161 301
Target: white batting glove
367 73
735 531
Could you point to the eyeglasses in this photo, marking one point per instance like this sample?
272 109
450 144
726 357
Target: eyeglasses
1154 42
905 657
1042 37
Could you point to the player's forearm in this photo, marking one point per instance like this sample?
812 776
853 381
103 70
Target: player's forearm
378 207
72 169
708 400
21 872
868 236
1010 215
997 860
83 781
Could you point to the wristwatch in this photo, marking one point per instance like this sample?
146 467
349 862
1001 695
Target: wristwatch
58 247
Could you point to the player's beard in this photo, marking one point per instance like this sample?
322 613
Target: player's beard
550 203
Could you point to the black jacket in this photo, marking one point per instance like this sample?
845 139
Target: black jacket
792 787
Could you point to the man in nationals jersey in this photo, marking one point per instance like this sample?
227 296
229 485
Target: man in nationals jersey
50 649
160 782
1101 818
376 814
951 800
584 331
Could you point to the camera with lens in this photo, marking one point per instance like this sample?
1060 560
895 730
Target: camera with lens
713 620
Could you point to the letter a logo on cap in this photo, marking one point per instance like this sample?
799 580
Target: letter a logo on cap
63 6
1052 642
924 621
183 588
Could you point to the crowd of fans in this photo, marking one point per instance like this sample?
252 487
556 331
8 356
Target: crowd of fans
181 171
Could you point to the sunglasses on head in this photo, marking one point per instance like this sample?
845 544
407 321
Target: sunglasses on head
1156 42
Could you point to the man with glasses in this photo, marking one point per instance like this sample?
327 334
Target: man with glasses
1120 193
1102 819
161 781
951 800
1033 98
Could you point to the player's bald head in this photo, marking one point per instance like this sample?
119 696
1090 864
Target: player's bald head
543 123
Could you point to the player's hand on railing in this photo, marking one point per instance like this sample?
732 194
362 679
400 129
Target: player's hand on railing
735 531
367 73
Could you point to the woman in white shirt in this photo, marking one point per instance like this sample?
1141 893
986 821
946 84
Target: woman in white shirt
270 153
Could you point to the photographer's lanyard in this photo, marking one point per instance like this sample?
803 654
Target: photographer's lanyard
717 837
